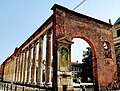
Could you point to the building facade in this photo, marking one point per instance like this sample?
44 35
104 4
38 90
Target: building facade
116 37
76 70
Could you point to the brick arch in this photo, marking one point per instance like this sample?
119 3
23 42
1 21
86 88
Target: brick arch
88 41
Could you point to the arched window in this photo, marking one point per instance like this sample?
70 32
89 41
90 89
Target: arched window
107 50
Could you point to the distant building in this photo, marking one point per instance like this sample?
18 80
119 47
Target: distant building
116 33
116 37
76 70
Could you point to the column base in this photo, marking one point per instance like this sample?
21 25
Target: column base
25 83
33 83
22 82
40 84
48 84
28 83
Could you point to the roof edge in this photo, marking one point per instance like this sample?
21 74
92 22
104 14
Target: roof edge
79 14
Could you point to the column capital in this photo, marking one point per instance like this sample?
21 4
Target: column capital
41 37
35 42
26 49
20 53
23 51
49 31
17 54
40 40
30 46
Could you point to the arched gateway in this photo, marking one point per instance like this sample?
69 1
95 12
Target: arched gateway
27 66
67 25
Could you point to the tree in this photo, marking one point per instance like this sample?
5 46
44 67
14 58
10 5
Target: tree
117 53
87 74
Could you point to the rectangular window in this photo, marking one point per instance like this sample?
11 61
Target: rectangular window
118 33
73 69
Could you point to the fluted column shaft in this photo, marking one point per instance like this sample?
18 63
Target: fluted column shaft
21 66
17 69
40 58
23 59
15 77
33 80
24 73
28 66
48 58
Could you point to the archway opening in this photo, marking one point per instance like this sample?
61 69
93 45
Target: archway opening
81 58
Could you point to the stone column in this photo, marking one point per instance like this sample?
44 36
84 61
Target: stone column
33 80
21 66
13 68
40 58
28 66
48 59
24 72
15 77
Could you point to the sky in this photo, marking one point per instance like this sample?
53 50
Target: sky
21 18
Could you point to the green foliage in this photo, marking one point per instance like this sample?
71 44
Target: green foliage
117 52
87 74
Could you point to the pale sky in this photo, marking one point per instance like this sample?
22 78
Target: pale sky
20 18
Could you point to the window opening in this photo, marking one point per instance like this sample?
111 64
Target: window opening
107 50
118 33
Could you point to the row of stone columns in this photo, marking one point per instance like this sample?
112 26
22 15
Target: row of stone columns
25 68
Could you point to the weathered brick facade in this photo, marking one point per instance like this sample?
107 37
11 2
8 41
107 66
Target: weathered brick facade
95 33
